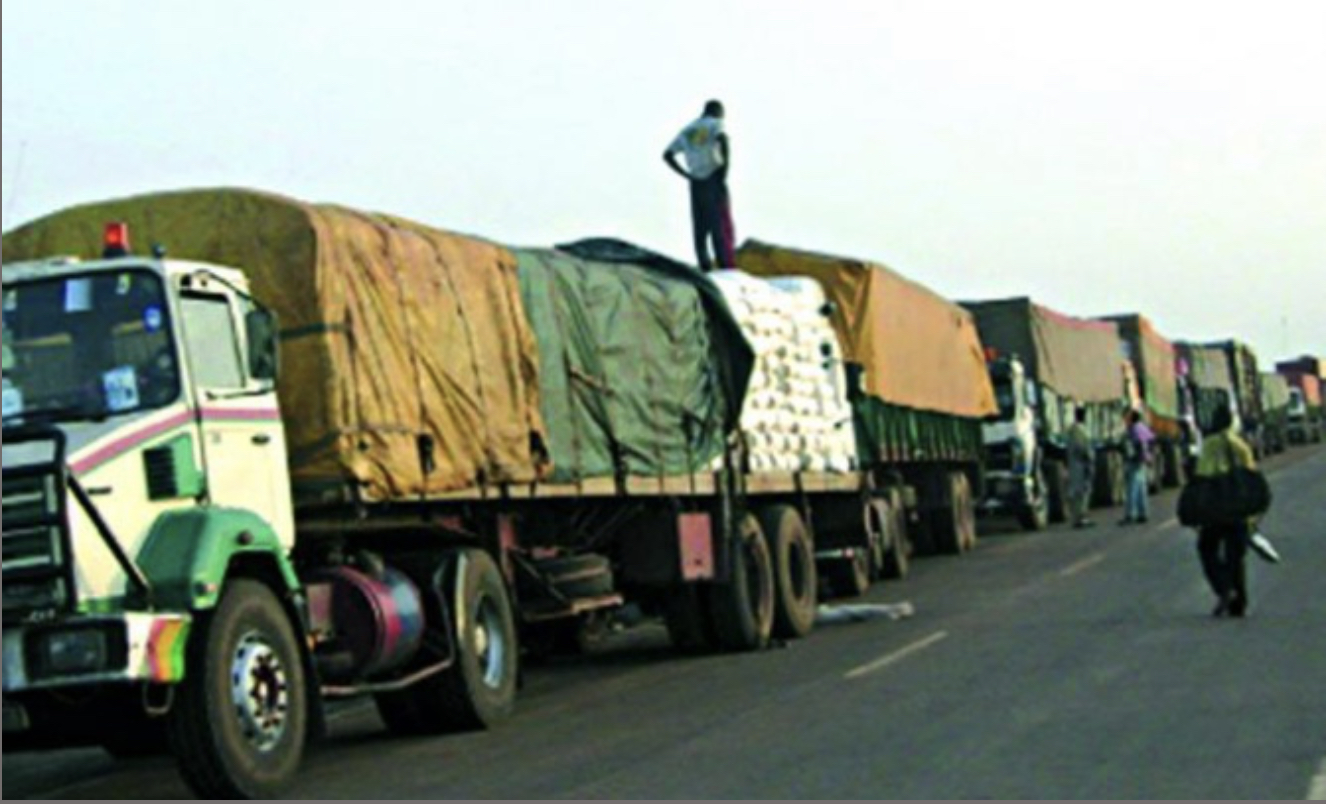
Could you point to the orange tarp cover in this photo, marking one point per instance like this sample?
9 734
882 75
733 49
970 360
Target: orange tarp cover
918 349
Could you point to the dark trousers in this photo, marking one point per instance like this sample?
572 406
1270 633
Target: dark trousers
711 220
1222 549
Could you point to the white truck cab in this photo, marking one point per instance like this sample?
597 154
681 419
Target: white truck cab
138 392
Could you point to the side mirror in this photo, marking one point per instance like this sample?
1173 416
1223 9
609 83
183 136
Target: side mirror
260 327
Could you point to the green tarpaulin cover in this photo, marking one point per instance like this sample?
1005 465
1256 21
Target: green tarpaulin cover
643 368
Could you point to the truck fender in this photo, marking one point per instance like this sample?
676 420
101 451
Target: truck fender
188 553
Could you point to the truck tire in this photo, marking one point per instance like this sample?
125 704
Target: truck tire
848 577
1173 465
479 689
687 620
240 717
1156 472
1108 482
742 607
1056 489
897 549
1035 515
953 525
795 582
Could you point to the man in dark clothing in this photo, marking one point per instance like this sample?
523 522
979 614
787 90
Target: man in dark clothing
1223 548
704 144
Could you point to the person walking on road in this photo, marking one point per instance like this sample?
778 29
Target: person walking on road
1081 468
1224 547
704 144
1137 440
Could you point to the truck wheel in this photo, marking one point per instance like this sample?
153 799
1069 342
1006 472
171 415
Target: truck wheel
795 583
238 725
1056 489
965 513
1156 472
1173 465
742 607
479 689
688 623
849 577
954 525
897 551
1116 479
1034 516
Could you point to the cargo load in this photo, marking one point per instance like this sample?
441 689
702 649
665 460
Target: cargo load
408 366
917 358
642 367
796 415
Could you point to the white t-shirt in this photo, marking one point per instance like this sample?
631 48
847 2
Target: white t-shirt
698 143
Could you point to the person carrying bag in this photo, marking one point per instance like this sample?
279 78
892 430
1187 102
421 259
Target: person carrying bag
1225 494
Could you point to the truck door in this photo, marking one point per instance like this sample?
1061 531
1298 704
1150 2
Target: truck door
243 441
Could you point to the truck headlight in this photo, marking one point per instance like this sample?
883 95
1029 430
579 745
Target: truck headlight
75 651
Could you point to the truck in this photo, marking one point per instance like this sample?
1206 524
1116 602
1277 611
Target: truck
1246 376
1044 365
1275 412
1306 419
324 453
918 389
1166 406
1210 380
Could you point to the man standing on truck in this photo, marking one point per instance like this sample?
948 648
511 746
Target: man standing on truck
705 146
1081 468
1137 440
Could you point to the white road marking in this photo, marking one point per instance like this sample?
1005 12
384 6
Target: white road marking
1317 788
889 659
1082 564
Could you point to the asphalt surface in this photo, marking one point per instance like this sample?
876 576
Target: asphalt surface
1061 665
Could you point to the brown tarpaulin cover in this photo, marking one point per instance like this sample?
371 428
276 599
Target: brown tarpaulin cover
391 331
919 350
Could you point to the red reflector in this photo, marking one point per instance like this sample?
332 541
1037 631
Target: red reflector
115 242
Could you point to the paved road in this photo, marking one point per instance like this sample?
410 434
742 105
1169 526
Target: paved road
1062 665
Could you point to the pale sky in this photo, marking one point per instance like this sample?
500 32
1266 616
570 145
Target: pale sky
1160 157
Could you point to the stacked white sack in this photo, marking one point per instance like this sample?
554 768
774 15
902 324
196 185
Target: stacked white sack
796 415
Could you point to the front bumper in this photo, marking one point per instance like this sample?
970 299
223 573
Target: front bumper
92 649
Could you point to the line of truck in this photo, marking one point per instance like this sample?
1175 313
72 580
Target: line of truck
325 453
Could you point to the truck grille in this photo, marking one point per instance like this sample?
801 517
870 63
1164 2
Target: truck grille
37 568
999 457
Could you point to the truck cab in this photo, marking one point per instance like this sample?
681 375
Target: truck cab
139 411
1014 481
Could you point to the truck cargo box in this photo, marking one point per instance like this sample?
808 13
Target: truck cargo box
1077 358
643 368
408 366
921 366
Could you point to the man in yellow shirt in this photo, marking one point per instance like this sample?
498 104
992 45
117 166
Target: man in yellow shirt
1224 547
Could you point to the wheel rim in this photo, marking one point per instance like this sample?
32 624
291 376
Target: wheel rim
490 643
259 691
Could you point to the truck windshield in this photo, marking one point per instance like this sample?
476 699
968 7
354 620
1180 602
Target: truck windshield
87 347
